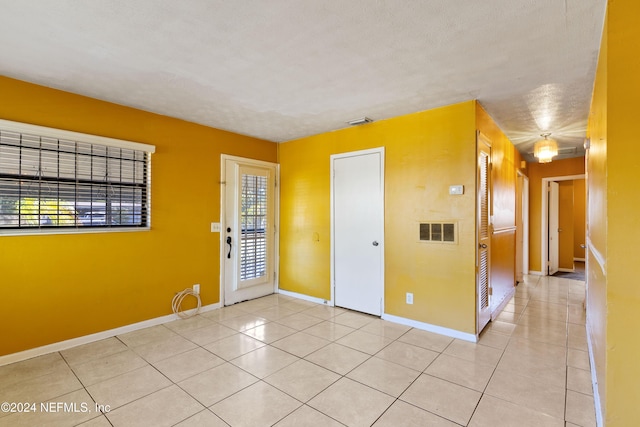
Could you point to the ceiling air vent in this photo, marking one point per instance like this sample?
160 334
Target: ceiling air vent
567 150
438 232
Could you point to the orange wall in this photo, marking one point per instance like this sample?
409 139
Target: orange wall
424 153
537 171
59 287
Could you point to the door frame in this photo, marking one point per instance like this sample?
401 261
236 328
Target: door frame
544 214
223 225
333 157
553 224
525 224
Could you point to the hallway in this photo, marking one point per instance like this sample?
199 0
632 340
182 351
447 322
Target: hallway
287 362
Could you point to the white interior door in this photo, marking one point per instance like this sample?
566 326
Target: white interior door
358 230
483 256
248 233
554 236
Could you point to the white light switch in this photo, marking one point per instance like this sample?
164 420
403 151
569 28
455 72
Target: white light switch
456 190
215 227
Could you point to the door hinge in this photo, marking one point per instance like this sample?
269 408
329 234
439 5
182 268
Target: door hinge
490 291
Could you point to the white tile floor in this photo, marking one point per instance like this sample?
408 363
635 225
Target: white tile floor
286 362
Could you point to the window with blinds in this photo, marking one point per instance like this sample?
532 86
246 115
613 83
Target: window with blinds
253 218
53 180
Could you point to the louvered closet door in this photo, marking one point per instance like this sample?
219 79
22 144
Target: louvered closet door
483 257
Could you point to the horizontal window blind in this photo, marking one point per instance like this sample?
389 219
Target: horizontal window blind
253 218
49 182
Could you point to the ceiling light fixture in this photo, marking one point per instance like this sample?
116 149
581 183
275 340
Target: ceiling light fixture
545 149
360 121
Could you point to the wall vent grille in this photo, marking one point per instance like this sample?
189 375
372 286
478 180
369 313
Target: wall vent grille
438 232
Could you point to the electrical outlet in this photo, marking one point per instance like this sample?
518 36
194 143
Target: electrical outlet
196 289
409 298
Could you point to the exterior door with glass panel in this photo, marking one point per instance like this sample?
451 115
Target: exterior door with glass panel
248 229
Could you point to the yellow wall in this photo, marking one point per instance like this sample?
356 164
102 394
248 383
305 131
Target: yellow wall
579 218
89 283
596 300
565 224
424 153
537 171
57 287
614 229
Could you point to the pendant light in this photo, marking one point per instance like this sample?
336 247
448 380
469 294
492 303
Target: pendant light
545 149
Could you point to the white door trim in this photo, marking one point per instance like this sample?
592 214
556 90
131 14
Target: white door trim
544 228
553 238
333 157
223 225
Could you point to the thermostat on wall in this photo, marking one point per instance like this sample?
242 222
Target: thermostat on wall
455 190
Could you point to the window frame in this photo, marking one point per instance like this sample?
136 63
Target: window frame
106 142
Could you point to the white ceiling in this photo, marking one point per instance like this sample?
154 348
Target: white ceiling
284 69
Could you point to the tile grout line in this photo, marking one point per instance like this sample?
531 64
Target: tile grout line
497 364
509 340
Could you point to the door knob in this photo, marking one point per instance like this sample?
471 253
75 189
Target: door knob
483 245
229 243
375 243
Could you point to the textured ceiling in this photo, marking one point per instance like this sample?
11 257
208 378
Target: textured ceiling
284 69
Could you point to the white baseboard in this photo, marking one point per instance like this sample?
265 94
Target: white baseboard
535 273
305 297
431 328
594 379
580 259
567 270
86 339
396 319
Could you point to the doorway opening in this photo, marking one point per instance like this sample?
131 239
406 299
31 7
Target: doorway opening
563 223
